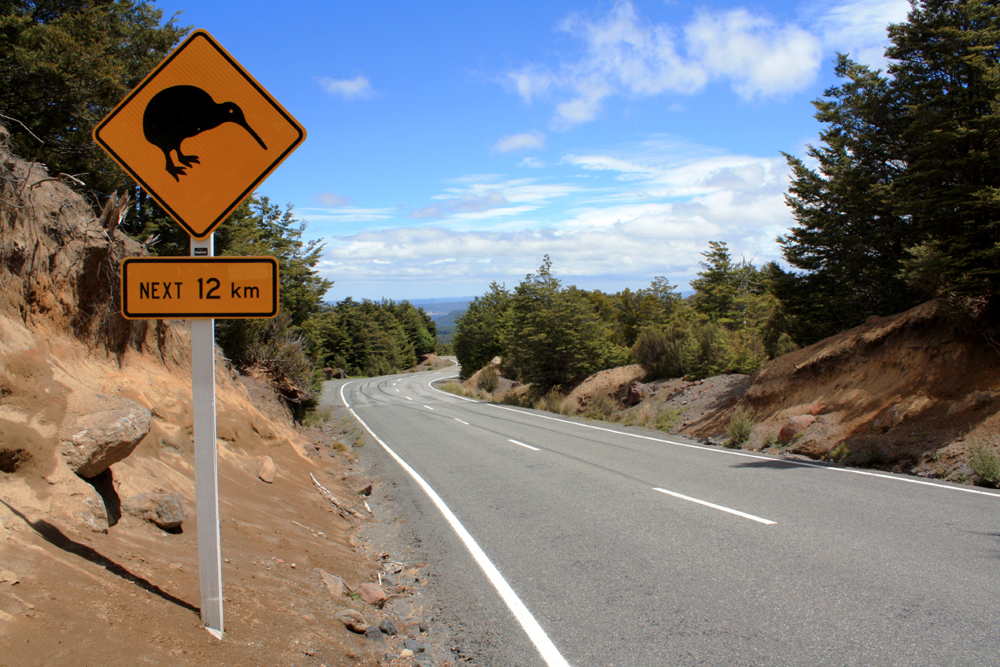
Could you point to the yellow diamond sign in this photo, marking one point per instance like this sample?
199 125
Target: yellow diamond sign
199 134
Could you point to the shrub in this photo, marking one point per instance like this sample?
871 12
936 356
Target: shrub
601 407
660 352
985 462
489 378
550 402
740 426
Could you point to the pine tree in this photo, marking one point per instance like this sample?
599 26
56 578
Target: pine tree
946 62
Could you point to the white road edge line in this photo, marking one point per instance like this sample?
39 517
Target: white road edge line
853 471
714 506
460 421
550 654
524 445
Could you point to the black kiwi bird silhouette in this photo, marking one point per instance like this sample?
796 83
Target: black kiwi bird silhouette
180 112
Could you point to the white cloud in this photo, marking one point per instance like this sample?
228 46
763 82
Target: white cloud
329 199
531 163
757 55
517 142
617 233
358 88
858 27
345 214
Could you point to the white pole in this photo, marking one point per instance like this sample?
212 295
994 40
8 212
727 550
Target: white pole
206 462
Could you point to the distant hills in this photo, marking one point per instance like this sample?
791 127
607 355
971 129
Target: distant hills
444 312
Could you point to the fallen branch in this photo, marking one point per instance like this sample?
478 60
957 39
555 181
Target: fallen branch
325 492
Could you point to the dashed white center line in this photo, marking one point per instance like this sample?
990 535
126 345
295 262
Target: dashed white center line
429 408
397 391
460 421
524 445
408 398
717 507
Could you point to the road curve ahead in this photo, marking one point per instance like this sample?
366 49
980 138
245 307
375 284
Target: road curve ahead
602 545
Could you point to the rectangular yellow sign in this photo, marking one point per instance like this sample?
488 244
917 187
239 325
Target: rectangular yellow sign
199 287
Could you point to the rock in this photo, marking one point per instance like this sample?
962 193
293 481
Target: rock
891 418
406 653
101 439
981 399
166 510
367 491
352 620
373 594
265 469
334 584
8 577
818 408
414 646
388 627
388 580
374 633
872 319
422 626
328 372
793 426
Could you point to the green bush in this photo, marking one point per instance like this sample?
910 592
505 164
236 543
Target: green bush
740 426
985 462
489 378
660 352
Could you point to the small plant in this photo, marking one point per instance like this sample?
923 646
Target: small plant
550 402
341 447
510 398
455 388
985 462
316 417
740 427
666 419
770 441
840 452
601 407
489 378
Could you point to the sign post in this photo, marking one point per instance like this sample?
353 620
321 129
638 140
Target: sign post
206 463
199 134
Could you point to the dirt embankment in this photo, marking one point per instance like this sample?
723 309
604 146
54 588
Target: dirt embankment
908 393
98 550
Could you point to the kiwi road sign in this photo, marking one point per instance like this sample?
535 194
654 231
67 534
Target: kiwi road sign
199 134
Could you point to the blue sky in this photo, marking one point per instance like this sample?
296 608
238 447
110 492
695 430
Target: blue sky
451 144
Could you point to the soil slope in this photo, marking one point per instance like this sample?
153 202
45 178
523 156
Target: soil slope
83 581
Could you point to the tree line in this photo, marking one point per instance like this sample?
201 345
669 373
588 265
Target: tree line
549 334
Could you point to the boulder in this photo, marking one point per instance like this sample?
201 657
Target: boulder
352 620
334 584
793 426
101 439
891 418
373 594
165 510
265 469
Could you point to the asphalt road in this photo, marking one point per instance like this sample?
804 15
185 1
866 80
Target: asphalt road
621 546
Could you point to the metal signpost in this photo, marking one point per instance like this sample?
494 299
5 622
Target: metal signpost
199 134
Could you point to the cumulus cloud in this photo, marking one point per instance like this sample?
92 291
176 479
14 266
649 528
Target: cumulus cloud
358 88
757 55
518 142
649 209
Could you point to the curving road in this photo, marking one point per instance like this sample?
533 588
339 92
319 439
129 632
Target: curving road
584 543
